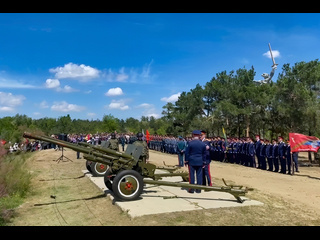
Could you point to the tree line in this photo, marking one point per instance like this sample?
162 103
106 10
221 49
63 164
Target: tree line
230 100
244 108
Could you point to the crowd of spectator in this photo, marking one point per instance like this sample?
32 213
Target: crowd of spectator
263 154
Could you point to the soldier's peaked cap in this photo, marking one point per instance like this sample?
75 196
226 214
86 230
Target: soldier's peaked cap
196 132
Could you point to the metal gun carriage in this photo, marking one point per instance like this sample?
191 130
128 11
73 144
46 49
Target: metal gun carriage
125 174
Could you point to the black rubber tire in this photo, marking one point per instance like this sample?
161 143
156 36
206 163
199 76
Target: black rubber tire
88 166
98 169
108 179
127 185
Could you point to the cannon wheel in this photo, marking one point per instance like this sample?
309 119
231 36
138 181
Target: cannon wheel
127 185
108 179
88 166
98 169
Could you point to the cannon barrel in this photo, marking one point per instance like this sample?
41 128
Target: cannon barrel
107 156
106 150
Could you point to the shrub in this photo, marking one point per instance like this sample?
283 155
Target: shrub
15 182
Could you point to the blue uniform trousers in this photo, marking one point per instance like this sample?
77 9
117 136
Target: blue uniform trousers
276 164
181 159
195 170
295 160
206 175
270 163
283 164
263 163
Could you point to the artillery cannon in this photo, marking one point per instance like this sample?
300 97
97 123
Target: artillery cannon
126 174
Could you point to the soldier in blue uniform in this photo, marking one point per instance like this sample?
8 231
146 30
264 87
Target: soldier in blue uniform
257 149
251 154
263 162
282 156
295 156
206 166
288 156
275 154
195 158
269 155
181 148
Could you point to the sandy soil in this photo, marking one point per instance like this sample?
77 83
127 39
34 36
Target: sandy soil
63 196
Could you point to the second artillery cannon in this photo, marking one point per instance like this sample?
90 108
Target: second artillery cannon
126 174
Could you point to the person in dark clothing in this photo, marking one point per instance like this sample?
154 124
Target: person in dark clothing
194 159
181 148
206 166
263 162
295 156
269 155
275 155
251 154
258 150
282 156
288 156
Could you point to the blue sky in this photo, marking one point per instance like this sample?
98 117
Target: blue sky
89 65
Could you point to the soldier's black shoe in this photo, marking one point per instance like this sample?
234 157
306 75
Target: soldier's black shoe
190 191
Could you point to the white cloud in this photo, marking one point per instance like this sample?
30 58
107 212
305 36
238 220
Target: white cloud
66 89
145 105
71 70
6 109
130 75
118 105
91 114
116 77
63 106
275 54
52 83
9 83
43 104
172 98
114 92
149 110
55 84
8 101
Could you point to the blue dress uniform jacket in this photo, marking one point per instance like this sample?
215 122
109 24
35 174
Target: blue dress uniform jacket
206 166
275 158
196 153
251 155
195 158
282 157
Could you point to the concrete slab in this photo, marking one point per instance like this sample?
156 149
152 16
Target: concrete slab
163 199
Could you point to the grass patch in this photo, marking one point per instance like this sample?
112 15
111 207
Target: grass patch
15 180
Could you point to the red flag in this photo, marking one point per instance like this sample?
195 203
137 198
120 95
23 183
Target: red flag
303 143
147 136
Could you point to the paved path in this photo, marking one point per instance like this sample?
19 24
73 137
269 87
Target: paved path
163 199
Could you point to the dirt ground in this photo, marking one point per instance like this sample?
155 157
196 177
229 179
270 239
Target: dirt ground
63 196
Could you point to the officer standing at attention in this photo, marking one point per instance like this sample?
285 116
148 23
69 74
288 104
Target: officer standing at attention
257 150
275 155
206 166
282 156
181 148
145 150
195 158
